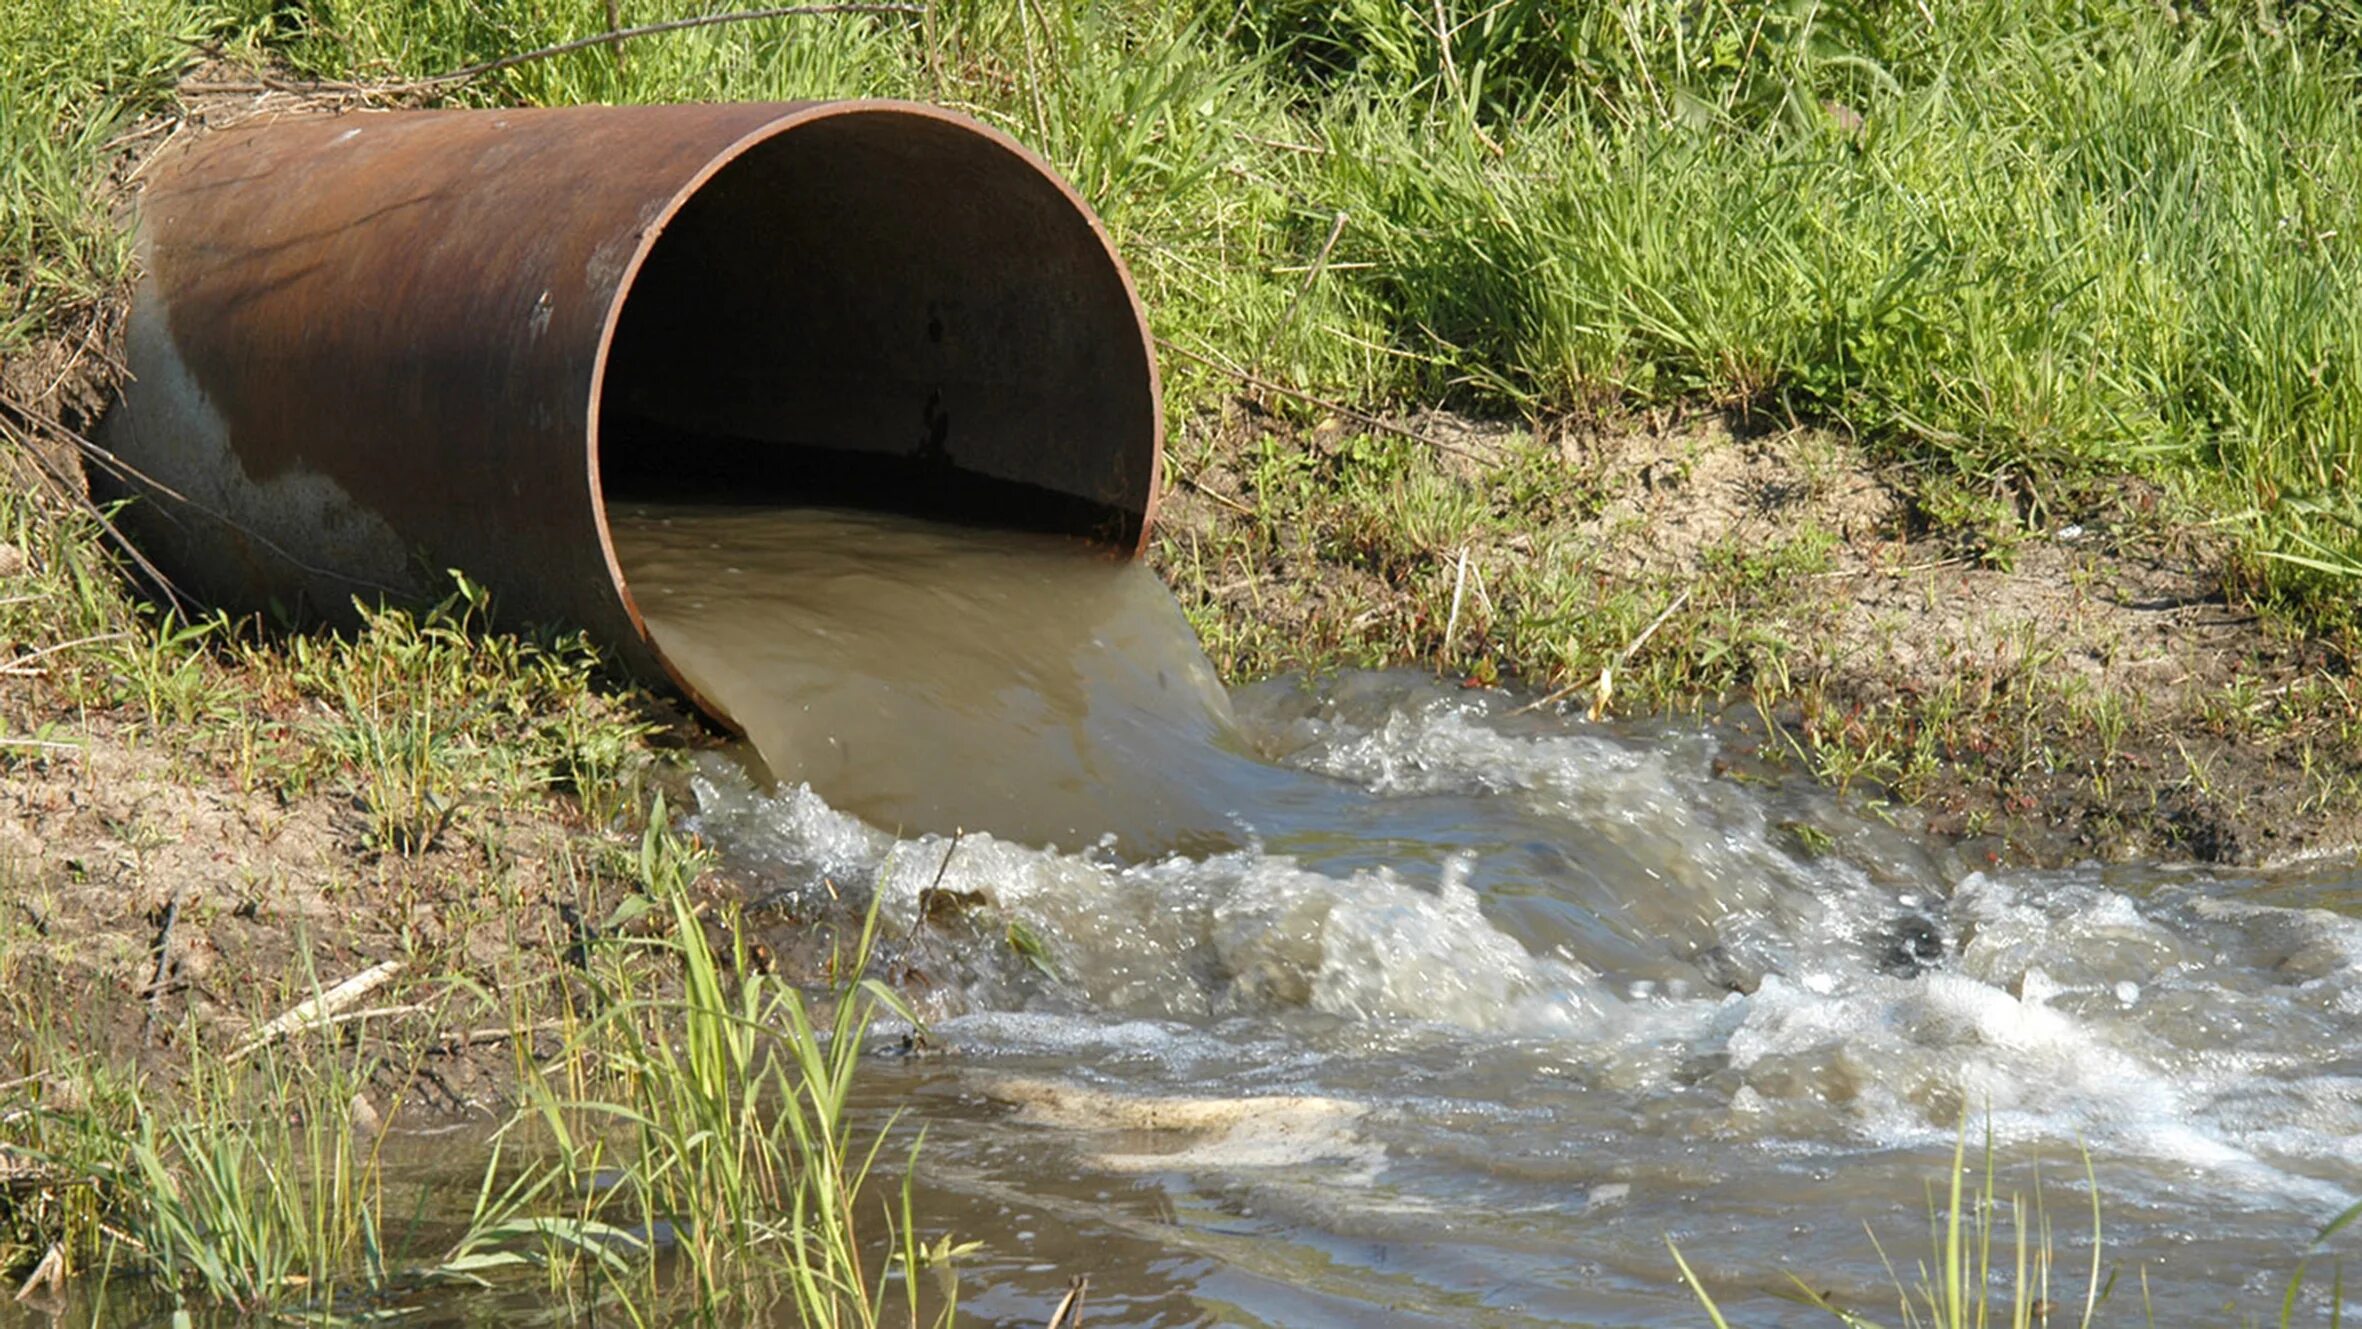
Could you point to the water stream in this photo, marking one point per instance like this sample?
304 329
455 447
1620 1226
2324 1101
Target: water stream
1372 1001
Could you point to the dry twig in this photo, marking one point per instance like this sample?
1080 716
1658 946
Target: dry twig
155 988
48 1279
320 1010
1320 263
468 73
1604 689
1334 408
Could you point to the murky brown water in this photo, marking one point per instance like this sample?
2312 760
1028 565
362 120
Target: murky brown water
930 677
1439 1013
1389 1004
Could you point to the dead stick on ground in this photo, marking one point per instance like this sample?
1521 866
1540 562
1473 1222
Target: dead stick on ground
1320 263
18 665
1338 408
39 745
451 1043
1218 496
1451 626
155 988
49 1276
467 73
1605 688
320 1009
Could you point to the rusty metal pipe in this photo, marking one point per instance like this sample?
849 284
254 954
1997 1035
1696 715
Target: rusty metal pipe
373 347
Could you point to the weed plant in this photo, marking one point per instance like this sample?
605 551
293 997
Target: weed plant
1991 1263
688 1144
718 1115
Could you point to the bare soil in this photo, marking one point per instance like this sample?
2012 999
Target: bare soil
2086 686
155 908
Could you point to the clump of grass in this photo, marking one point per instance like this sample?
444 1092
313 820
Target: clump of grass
259 1211
1982 1251
427 712
720 1111
72 75
1960 1281
257 1188
693 1121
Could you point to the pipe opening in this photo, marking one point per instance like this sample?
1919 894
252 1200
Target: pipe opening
878 306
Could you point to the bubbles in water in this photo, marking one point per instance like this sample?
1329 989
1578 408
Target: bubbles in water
1559 981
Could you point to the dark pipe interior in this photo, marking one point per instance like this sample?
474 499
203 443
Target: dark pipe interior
879 308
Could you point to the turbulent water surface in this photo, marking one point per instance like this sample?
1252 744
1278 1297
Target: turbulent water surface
1370 1001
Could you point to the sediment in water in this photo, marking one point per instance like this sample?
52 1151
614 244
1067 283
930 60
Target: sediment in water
934 677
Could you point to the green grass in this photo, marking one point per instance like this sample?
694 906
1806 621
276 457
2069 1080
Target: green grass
718 1106
688 1094
2017 242
73 73
1991 1262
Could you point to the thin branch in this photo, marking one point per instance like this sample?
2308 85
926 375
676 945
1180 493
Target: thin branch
154 992
450 1044
1319 264
68 494
1605 688
1337 408
17 666
468 73
134 477
476 71
319 1010
1218 496
1451 627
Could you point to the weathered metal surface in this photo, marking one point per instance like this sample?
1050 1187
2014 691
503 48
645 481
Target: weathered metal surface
369 348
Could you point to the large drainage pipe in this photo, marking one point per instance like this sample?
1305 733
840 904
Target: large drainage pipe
370 348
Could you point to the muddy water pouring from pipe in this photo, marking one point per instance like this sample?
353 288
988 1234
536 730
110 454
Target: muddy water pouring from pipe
370 348
936 677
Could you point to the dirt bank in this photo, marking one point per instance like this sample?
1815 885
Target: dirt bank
2056 683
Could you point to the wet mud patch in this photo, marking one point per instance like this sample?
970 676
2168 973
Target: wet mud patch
2083 680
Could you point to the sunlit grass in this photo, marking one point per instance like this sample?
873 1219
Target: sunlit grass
720 1112
1991 1261
688 1144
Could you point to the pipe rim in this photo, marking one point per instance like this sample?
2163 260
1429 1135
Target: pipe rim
790 119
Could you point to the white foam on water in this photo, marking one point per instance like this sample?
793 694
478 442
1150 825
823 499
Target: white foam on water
1717 988
1233 934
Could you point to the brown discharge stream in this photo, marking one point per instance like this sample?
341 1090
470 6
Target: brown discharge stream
1397 1003
934 678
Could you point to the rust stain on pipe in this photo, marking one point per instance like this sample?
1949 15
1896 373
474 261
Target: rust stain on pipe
371 347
